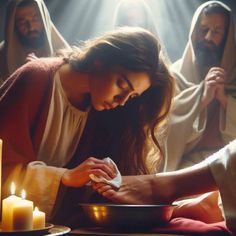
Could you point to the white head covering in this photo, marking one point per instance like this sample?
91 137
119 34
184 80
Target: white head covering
123 11
15 52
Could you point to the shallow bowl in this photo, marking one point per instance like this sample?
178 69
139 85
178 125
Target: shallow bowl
138 216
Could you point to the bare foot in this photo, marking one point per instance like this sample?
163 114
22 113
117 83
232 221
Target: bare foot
134 190
204 208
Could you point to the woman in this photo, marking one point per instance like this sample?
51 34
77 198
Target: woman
56 114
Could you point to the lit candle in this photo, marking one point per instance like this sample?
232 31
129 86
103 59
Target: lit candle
38 219
22 214
7 209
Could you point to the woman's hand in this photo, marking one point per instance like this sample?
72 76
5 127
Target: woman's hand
79 176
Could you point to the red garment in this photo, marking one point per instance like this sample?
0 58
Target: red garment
24 104
178 226
194 227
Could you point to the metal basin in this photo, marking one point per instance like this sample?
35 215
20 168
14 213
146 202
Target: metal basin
138 216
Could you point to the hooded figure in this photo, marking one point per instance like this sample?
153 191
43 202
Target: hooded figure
134 13
40 35
203 128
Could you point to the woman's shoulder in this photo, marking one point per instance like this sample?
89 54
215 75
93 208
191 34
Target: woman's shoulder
44 64
37 73
39 69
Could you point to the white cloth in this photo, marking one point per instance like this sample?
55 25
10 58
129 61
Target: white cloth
115 182
223 168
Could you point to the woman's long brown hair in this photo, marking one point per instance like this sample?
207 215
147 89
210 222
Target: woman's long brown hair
122 133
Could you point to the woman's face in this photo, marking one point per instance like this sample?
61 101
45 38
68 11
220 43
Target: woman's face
111 89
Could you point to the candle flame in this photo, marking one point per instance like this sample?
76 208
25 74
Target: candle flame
23 194
13 188
36 209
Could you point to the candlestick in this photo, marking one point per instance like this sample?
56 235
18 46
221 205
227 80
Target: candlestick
38 219
7 209
22 214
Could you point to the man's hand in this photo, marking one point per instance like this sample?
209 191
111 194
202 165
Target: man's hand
220 90
214 87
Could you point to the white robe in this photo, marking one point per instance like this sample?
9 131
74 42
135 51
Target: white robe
223 168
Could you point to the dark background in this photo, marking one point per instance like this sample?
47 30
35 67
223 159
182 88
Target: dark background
82 19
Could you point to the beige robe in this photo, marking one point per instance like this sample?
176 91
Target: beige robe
223 168
13 54
187 123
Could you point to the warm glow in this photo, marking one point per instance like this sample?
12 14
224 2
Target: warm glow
38 219
23 194
36 209
13 188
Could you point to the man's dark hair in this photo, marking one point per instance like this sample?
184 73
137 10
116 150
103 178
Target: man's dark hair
25 3
216 8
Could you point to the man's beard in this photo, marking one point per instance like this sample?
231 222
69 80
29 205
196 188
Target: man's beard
33 39
207 56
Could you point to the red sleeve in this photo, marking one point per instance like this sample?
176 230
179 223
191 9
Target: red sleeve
24 102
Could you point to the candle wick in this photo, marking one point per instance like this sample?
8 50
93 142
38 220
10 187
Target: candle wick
13 188
23 195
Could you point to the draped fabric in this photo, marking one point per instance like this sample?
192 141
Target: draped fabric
223 168
13 54
187 123
25 101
